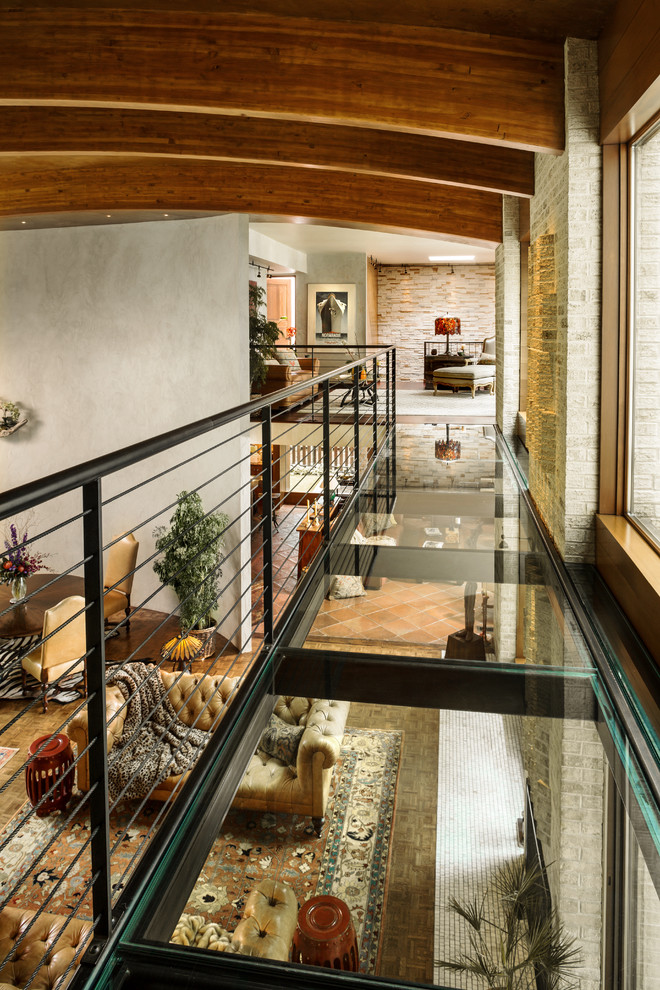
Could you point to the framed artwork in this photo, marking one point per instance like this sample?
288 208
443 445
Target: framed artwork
331 313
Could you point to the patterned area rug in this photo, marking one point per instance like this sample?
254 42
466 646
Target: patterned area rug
349 860
11 674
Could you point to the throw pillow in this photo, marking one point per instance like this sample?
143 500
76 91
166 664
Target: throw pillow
288 358
281 740
376 522
358 538
346 586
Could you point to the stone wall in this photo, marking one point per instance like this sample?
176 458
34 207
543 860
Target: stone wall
564 349
507 318
410 297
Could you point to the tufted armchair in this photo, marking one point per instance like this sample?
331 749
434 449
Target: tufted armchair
194 698
271 785
266 928
52 935
487 355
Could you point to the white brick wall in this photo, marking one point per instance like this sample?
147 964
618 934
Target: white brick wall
564 350
409 303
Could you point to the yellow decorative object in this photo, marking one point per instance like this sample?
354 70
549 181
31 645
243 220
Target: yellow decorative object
182 648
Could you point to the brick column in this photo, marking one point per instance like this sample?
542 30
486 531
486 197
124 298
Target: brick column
564 352
507 318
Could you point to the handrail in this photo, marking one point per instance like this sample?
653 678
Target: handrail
61 482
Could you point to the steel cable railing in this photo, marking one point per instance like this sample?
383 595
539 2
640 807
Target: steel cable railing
257 574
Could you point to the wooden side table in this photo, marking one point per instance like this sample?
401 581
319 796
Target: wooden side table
325 935
48 768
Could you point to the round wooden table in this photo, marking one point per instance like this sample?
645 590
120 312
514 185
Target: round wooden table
27 618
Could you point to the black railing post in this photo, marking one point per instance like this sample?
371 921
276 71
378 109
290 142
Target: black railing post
356 423
374 372
267 520
326 460
95 668
393 421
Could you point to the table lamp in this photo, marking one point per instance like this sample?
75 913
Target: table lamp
448 325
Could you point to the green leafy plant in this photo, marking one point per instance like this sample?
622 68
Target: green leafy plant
513 946
263 336
9 413
191 551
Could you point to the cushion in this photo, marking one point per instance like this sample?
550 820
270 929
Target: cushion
288 358
346 586
358 538
376 522
281 740
381 541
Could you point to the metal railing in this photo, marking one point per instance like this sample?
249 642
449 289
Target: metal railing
130 687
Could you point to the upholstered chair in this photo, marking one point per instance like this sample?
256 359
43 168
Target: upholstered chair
118 579
63 648
487 355
52 939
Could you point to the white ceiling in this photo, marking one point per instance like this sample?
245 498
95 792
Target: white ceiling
388 249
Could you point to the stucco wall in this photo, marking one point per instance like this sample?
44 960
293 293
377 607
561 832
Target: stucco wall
112 335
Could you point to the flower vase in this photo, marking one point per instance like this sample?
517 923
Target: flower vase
18 588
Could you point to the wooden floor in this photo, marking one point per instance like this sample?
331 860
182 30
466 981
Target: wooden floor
407 936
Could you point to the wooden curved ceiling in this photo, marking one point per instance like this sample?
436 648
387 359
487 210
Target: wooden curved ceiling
204 111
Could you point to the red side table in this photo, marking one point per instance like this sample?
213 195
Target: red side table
325 935
46 769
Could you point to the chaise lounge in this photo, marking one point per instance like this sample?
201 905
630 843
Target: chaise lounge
473 377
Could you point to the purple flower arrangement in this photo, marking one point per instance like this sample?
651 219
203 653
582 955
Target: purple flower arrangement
18 560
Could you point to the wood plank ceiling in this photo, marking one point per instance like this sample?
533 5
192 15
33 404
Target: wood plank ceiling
379 114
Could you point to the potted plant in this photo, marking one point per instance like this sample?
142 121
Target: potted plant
521 945
263 337
10 415
191 551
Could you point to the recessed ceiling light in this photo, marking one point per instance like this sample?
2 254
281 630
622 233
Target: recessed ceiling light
108 215
166 214
23 221
452 257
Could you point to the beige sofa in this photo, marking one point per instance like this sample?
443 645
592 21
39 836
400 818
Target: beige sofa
52 936
266 928
271 785
198 701
280 376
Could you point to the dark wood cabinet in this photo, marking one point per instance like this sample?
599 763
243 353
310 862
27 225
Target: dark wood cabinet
437 357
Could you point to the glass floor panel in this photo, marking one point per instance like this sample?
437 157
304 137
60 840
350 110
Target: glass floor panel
469 732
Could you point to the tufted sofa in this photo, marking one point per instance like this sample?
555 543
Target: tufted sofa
271 785
198 701
283 376
52 935
266 928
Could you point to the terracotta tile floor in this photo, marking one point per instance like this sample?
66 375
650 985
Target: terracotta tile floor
400 611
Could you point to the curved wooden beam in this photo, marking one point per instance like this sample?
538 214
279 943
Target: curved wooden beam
425 80
48 184
85 130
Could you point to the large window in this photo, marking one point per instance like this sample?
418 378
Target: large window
643 502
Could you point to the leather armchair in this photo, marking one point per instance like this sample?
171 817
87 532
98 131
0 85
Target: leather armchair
271 785
282 376
63 652
52 936
118 577
195 700
266 928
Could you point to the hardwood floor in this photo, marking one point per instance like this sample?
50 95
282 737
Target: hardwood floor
406 950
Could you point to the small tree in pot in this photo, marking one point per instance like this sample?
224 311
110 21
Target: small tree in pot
191 551
263 337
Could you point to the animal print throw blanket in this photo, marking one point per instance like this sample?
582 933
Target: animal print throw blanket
155 743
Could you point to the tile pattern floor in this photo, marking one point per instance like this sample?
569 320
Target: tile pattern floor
480 797
400 611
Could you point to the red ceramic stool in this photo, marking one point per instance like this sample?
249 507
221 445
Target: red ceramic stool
325 935
46 769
